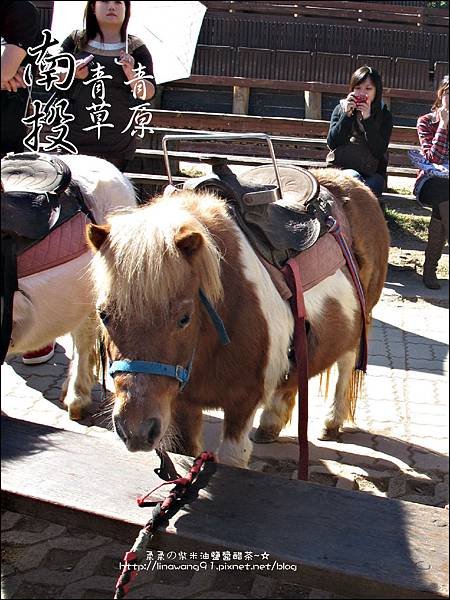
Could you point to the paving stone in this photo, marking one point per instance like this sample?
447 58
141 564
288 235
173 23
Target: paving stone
379 361
419 351
219 595
419 499
441 492
26 538
320 595
431 366
377 347
9 520
262 587
430 462
396 349
346 483
91 585
397 486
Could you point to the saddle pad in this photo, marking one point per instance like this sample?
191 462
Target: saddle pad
316 263
63 244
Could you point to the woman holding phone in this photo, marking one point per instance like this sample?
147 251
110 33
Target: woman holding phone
360 131
107 88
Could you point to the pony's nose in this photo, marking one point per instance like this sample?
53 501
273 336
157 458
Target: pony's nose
150 430
142 439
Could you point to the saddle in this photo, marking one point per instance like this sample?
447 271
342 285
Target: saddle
277 227
38 196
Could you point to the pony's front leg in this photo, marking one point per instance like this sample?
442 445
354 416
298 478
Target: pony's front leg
236 447
343 405
76 390
277 411
185 435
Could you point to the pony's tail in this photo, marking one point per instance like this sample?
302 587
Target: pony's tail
354 392
324 382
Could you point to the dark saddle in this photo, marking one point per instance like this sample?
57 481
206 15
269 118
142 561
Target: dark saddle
279 224
32 185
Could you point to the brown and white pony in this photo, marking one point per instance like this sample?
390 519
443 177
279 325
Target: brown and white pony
149 267
61 299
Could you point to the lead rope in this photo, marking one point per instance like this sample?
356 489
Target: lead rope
137 555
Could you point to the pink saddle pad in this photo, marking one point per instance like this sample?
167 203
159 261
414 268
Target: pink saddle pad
65 243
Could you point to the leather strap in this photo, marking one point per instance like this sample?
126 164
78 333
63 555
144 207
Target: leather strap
292 273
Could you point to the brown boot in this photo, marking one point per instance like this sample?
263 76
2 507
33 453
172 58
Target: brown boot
433 252
443 211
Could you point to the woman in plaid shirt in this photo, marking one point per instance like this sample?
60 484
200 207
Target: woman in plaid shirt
432 184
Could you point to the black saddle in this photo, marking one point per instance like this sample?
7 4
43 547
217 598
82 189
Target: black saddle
278 227
31 188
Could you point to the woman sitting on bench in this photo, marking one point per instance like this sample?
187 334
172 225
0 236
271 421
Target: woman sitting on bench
431 186
360 131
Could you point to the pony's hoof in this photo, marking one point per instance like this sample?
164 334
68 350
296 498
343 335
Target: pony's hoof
76 409
264 436
76 413
329 434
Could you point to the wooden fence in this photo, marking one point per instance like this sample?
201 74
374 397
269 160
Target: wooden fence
362 14
302 66
278 32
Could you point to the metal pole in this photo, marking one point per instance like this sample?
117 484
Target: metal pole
221 136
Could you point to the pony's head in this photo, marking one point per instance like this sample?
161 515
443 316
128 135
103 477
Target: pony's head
149 267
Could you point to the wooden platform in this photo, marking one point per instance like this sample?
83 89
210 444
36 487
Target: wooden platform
347 542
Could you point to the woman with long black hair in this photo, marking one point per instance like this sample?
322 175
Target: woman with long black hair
106 90
431 186
360 131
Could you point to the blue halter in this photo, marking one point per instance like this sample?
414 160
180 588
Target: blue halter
175 371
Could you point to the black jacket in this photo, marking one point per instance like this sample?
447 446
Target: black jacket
378 129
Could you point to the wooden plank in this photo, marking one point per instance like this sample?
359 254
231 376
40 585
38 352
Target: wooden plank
274 126
312 86
347 541
396 166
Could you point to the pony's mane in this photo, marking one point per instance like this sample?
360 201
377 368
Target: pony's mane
140 268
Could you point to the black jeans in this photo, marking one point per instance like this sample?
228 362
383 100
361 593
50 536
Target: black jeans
433 192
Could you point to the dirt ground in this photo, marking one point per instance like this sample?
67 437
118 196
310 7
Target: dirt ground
408 226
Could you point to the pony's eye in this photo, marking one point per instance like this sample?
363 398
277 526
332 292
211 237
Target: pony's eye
184 321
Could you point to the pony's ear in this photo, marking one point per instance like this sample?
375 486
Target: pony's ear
96 235
188 242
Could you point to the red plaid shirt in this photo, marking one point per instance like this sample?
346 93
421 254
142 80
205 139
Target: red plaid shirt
433 139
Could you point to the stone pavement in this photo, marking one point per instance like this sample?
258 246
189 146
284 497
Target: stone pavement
399 450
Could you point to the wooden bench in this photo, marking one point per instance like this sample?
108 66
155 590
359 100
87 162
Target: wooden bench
300 142
346 542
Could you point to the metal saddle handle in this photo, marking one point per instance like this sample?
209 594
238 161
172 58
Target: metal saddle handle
256 197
